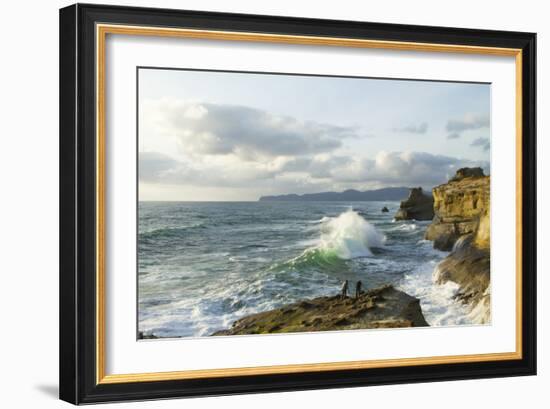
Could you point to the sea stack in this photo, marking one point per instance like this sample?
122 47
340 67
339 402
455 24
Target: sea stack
462 224
417 206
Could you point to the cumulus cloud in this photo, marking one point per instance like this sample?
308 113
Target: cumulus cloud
299 175
404 168
205 145
417 129
483 143
249 133
469 122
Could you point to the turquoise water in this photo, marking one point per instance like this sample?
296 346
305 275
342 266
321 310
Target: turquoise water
202 265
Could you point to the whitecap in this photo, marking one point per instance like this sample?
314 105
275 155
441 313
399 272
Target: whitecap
236 259
349 236
406 227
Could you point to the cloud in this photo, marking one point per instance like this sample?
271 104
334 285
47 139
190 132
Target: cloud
317 167
194 145
417 129
405 168
307 174
483 143
217 129
158 168
469 122
152 165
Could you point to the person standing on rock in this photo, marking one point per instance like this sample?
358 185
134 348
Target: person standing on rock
344 290
358 289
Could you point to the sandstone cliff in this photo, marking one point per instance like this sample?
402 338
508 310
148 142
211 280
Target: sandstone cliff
461 207
383 307
462 224
417 206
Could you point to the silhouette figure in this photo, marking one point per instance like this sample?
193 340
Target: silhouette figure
358 289
344 289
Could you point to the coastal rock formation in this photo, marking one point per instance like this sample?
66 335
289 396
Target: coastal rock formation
384 307
461 207
469 267
385 209
467 173
417 206
462 224
142 335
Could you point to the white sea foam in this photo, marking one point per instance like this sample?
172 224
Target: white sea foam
307 243
236 259
349 236
437 301
317 221
406 227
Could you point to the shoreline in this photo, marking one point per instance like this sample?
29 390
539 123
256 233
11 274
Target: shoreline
382 307
459 226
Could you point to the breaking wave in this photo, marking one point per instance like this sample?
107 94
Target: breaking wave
349 236
344 237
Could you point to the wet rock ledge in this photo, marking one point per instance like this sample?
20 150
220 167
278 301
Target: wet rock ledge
383 307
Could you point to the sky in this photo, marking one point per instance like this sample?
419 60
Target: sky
223 136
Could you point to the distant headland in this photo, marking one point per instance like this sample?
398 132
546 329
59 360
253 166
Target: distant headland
350 195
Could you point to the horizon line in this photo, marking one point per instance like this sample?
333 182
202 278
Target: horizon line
261 201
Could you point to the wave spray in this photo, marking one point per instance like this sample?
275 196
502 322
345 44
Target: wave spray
349 236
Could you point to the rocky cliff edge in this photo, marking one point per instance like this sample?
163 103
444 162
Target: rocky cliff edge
461 225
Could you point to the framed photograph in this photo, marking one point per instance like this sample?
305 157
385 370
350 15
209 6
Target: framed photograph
258 203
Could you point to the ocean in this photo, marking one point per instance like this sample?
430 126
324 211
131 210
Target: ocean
203 265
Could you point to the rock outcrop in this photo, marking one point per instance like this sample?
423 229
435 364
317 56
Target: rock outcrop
417 206
461 208
467 173
462 225
142 335
384 307
469 266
